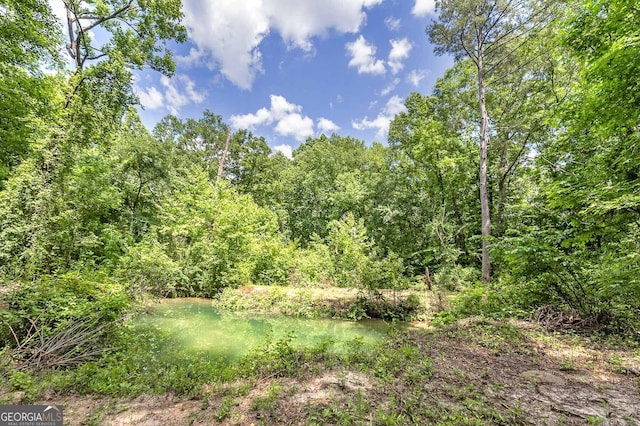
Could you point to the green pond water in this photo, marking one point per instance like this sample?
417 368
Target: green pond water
196 327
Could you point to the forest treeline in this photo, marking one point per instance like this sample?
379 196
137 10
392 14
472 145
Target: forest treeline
93 204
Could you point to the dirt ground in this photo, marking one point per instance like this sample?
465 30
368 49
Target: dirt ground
545 378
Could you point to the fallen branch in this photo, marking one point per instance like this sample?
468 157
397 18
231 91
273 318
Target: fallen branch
77 342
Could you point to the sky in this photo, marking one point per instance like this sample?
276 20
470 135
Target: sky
292 69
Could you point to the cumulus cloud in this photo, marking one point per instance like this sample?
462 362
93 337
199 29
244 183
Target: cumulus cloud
286 150
150 98
296 126
326 126
280 107
180 91
400 50
363 57
416 76
228 33
249 121
381 123
298 21
423 7
392 23
289 121
395 105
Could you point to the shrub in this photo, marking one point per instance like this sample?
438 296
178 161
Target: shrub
147 268
312 267
455 277
61 321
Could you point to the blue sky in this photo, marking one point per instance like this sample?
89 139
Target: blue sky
290 69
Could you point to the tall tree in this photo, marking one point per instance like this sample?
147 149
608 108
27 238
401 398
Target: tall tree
434 164
29 37
136 28
489 33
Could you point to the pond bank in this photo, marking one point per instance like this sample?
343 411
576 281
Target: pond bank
478 372
329 302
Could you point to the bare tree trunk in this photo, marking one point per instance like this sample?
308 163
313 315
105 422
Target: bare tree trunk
484 196
222 160
74 46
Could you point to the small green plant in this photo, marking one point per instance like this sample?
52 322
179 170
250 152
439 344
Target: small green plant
567 365
225 408
616 365
265 406
357 311
20 381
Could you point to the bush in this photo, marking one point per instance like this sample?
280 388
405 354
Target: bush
60 322
147 268
405 309
207 240
271 262
455 277
53 303
312 267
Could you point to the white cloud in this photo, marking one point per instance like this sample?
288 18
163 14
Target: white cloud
416 76
286 150
280 107
423 7
393 24
390 87
383 120
249 121
180 91
194 58
395 105
298 21
151 98
229 32
60 12
400 50
325 125
363 57
296 126
289 121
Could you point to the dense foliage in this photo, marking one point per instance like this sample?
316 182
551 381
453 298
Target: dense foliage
97 209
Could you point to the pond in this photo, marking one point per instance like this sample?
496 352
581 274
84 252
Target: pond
197 327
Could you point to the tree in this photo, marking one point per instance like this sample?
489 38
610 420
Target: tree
432 168
591 169
30 37
323 184
136 27
142 174
488 32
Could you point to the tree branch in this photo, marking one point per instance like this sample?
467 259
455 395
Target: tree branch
115 14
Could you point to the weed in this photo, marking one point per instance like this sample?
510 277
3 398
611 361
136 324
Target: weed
567 365
265 406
